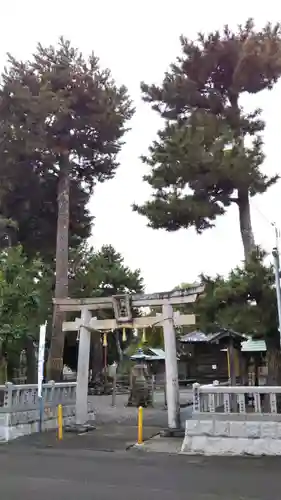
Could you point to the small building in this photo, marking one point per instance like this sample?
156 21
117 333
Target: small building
254 352
211 356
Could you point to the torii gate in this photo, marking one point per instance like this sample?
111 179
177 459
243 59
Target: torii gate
122 306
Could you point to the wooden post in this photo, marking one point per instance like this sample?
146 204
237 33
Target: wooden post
165 396
232 373
152 389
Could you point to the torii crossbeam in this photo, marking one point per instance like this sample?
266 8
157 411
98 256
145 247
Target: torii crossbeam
122 306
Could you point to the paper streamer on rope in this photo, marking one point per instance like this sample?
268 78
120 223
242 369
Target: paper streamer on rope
124 335
104 340
143 335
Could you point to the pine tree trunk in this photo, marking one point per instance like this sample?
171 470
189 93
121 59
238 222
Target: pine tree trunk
273 358
118 346
274 371
30 361
49 328
55 361
3 366
274 366
97 356
246 223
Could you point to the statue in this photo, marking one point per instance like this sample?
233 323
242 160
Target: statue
140 394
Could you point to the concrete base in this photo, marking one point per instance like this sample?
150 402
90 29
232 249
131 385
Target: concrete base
158 444
232 437
10 431
139 446
166 433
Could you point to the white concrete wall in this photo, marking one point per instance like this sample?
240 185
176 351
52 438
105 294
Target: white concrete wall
10 430
232 437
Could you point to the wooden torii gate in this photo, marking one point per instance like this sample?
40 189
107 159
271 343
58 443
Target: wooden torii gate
122 306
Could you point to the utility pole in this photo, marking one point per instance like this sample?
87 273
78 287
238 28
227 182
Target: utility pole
276 263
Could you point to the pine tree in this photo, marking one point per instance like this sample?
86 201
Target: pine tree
209 154
245 301
28 211
63 117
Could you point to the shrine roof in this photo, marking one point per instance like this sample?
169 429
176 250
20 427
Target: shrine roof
150 354
198 336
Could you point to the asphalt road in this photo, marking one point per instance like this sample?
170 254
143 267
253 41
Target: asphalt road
86 475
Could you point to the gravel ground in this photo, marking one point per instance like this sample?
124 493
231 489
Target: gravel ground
119 414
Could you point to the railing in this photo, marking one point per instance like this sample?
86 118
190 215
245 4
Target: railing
220 399
216 400
17 398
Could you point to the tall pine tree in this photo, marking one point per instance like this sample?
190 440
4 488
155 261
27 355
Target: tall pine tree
63 117
209 154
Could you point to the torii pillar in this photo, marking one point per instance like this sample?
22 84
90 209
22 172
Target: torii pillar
83 369
171 365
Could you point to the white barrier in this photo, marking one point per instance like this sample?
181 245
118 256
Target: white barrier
226 399
19 407
239 420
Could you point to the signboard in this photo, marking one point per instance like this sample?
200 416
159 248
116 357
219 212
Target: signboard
41 356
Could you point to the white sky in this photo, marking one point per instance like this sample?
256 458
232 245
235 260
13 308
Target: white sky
137 41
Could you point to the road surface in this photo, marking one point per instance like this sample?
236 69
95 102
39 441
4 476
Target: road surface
80 474
97 466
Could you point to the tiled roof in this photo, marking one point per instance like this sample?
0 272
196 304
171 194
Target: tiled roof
199 336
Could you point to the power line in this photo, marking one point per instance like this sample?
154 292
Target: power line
269 222
276 265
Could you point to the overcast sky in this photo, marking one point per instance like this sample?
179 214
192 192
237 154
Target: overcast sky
137 41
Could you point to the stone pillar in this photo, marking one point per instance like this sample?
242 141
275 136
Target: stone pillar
83 369
196 397
172 384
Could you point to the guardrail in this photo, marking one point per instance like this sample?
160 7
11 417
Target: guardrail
25 397
20 413
221 399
